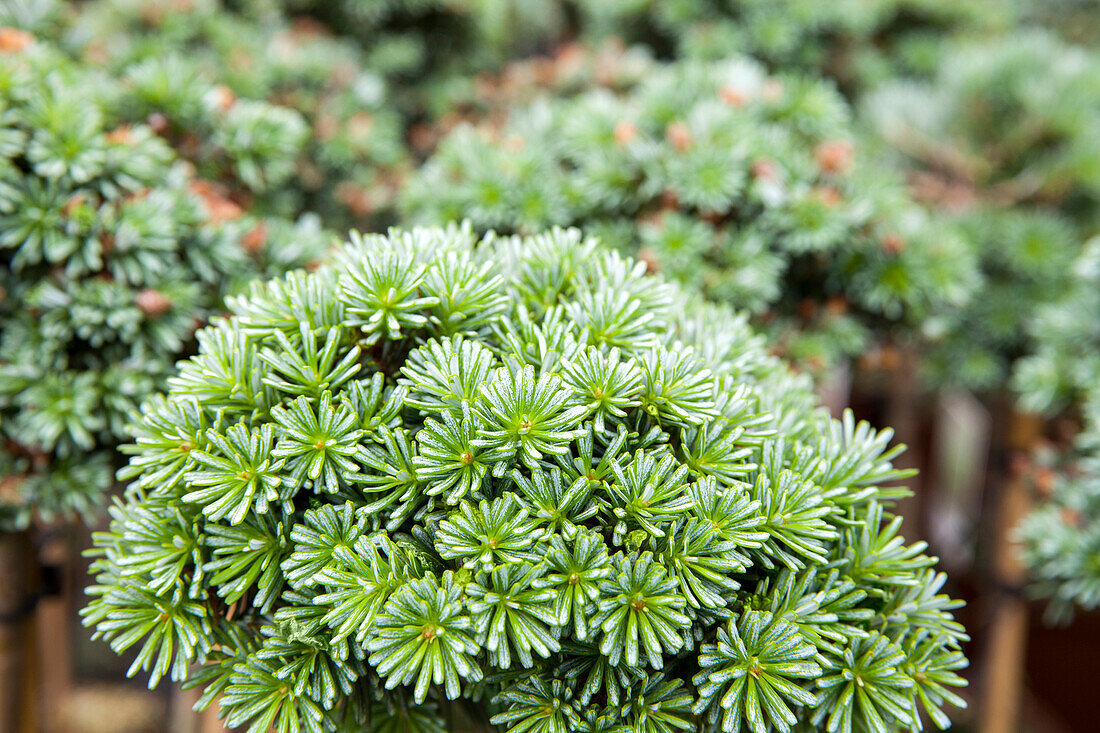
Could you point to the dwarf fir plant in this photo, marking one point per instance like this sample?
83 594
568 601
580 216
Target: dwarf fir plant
1014 114
433 40
1003 138
282 113
858 44
111 254
521 478
1026 259
754 189
1061 538
1005 133
1064 364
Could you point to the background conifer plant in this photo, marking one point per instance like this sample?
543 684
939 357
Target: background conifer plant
1061 537
112 253
520 477
755 189
1010 115
1002 138
286 116
859 45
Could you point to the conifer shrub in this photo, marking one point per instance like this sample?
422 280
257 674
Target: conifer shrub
1013 117
755 189
437 39
1064 363
1026 260
1002 137
858 44
111 254
281 111
1061 537
519 478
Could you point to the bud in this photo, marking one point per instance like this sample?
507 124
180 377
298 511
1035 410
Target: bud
764 169
11 492
360 125
152 302
157 122
222 97
648 257
354 197
834 156
422 137
73 205
828 196
892 244
544 72
836 305
253 242
307 29
219 208
625 132
669 199
121 135
733 96
679 136
1071 518
1044 480
14 40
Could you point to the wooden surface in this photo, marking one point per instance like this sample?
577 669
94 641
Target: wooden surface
53 660
16 582
1005 647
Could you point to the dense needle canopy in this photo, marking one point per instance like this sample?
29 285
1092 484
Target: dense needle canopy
112 252
518 477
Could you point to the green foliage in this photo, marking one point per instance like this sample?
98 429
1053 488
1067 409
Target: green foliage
1002 137
750 669
289 116
1064 364
1013 114
859 44
1004 132
754 189
1061 537
1027 260
436 40
111 253
461 519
